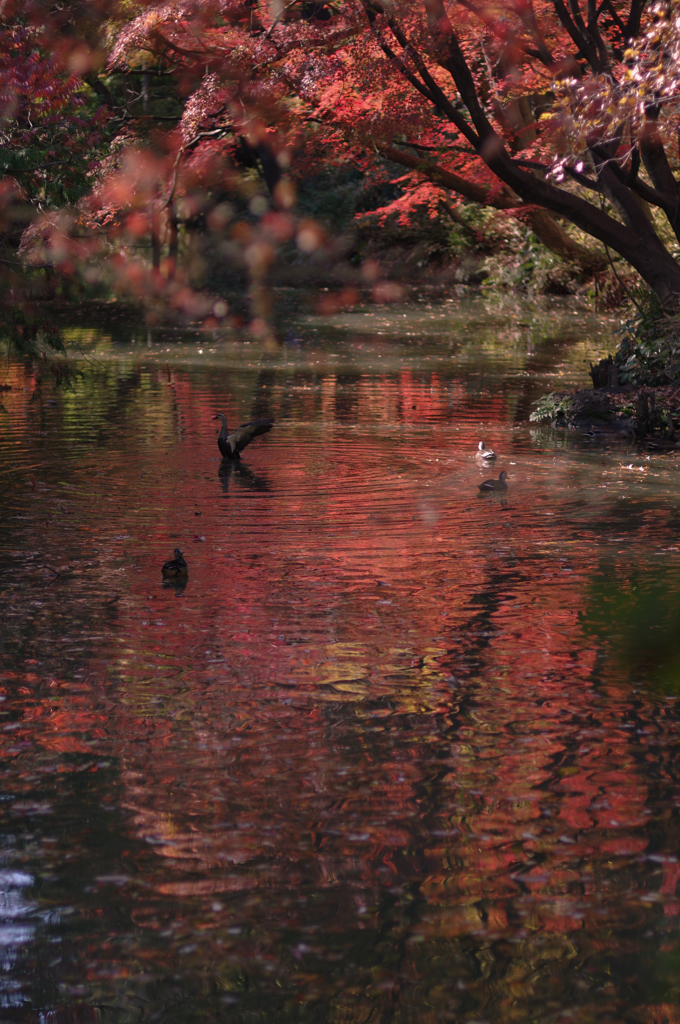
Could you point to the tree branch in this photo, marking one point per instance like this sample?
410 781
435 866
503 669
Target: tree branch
613 13
634 18
429 89
180 154
448 179
578 37
594 32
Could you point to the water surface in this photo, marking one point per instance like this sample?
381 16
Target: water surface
395 752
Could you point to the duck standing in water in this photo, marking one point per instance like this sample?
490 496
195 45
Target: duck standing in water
176 568
484 456
495 485
232 444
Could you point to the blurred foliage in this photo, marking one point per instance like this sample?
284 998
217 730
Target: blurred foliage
128 166
53 128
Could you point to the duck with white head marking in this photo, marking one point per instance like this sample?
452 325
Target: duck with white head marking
484 456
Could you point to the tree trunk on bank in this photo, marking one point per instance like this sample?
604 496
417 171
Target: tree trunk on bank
632 236
635 239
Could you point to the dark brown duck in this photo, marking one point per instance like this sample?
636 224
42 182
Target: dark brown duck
495 485
176 567
232 444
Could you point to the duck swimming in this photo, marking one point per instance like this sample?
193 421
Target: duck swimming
232 444
484 455
495 485
176 567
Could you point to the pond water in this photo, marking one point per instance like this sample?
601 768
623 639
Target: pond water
394 752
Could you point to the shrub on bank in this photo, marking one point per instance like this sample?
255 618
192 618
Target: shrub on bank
649 352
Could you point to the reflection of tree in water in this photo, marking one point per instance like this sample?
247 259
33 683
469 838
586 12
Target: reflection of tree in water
475 875
390 855
362 768
547 855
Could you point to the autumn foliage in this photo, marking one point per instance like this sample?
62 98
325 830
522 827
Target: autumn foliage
189 121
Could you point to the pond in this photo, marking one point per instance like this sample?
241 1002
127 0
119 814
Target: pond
394 751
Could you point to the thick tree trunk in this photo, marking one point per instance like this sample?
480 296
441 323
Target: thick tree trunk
555 238
636 241
633 237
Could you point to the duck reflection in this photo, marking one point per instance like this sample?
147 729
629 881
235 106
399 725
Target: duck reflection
179 584
244 477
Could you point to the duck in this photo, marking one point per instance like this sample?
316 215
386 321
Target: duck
484 455
495 485
176 567
232 444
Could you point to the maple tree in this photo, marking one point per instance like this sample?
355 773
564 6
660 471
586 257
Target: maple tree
556 115
526 107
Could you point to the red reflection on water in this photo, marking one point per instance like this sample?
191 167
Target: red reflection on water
373 709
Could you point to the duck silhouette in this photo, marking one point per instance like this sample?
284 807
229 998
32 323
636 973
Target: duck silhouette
495 485
232 444
176 567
